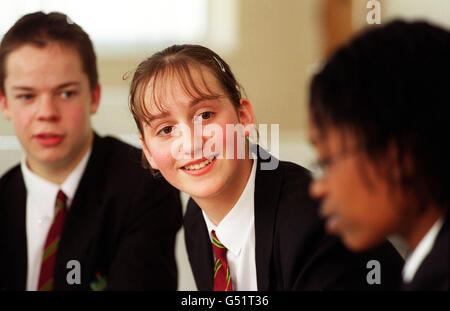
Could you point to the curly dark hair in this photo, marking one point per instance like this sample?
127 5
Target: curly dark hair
391 85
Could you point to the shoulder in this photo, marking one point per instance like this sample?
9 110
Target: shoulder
12 188
10 178
272 173
433 273
116 150
295 175
118 158
131 190
295 203
120 165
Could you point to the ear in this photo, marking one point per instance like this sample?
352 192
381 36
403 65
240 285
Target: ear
4 106
95 99
246 114
147 153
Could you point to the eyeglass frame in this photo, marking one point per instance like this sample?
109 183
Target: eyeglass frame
320 167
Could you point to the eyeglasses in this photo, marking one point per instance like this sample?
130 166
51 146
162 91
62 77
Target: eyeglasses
321 167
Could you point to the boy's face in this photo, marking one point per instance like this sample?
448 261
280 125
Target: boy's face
199 168
49 100
359 204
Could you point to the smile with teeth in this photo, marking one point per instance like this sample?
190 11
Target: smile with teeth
198 165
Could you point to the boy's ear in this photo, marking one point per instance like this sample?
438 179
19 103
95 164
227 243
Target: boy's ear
95 98
147 153
4 106
246 114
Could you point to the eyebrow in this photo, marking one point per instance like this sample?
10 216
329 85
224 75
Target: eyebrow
192 104
61 86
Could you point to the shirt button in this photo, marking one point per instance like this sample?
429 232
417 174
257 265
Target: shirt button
39 221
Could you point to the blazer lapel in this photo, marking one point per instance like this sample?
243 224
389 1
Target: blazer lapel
267 190
14 251
199 247
83 220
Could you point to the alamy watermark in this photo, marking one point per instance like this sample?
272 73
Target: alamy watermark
236 141
374 275
374 15
74 274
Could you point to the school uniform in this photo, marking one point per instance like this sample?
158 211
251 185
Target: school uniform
291 249
427 267
120 225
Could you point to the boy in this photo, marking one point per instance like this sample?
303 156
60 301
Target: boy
79 212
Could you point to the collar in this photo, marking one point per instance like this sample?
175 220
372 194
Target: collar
41 189
416 258
235 226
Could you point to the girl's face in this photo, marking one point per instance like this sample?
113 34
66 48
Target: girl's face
203 163
357 201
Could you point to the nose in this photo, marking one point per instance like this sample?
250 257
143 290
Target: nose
47 109
317 188
192 141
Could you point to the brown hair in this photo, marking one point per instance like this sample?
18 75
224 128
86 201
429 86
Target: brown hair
175 61
40 29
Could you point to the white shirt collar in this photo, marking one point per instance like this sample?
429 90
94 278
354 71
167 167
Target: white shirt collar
414 261
236 224
41 189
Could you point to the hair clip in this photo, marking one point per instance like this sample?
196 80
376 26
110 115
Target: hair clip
220 64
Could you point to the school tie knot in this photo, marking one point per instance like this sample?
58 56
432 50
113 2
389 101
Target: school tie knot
220 251
61 201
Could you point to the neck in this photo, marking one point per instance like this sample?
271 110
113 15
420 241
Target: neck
58 172
217 207
421 224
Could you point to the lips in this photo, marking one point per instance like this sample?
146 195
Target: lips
331 224
331 218
49 139
199 167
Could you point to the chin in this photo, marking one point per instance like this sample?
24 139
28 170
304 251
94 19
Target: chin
49 159
208 191
357 244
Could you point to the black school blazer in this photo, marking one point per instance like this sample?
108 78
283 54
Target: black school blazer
121 225
433 273
291 248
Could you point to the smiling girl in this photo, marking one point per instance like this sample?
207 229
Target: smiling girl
245 228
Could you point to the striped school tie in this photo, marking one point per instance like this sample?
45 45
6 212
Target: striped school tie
222 275
51 244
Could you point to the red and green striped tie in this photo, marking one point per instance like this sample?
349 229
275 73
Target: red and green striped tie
222 275
51 244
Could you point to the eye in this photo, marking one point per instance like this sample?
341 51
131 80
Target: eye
324 163
204 116
165 131
67 94
25 96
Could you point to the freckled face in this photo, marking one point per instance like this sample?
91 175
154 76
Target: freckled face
204 174
358 203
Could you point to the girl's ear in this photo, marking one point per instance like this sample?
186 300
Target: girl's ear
246 115
147 153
